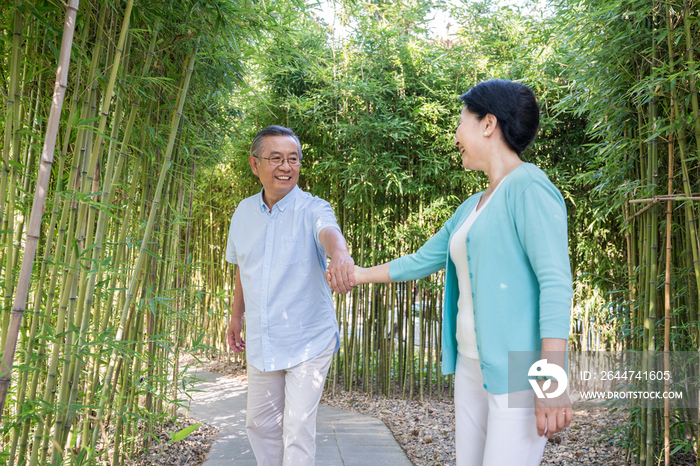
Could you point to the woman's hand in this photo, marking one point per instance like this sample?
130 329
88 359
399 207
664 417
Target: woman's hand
553 414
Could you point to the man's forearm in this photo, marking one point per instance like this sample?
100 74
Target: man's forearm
238 305
235 326
236 309
333 242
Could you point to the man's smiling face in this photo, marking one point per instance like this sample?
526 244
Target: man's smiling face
277 181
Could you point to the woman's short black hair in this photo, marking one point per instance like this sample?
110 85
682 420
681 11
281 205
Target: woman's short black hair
513 104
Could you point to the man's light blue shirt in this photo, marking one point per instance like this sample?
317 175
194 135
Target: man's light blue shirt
290 317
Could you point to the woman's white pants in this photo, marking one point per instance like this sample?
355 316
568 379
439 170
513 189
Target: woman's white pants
487 432
282 406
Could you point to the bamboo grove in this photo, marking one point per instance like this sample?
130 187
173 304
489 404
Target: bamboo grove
642 106
376 111
112 297
161 103
376 114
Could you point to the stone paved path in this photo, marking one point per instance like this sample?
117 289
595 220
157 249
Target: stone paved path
343 438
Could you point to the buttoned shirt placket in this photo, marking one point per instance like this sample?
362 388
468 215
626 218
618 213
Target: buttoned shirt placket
265 280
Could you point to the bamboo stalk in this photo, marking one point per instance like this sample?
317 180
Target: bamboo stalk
667 197
89 272
692 74
11 121
39 199
69 210
40 287
79 318
133 282
10 111
667 307
119 257
669 256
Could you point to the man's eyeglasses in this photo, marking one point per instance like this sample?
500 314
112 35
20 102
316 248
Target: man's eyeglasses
277 161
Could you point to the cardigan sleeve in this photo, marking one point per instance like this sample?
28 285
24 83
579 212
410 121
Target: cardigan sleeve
430 258
540 219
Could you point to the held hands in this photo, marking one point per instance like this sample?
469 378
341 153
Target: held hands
340 273
552 413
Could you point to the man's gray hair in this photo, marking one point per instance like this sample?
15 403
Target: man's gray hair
272 130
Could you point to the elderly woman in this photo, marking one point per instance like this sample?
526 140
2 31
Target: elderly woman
508 283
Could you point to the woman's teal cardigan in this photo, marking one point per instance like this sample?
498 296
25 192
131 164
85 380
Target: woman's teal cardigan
520 275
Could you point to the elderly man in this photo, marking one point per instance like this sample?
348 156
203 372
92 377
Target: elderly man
280 238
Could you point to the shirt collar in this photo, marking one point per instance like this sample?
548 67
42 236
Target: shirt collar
282 203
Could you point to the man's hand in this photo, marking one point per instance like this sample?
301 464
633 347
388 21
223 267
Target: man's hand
552 413
340 273
233 334
235 326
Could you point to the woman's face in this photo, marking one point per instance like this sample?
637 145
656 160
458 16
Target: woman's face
468 139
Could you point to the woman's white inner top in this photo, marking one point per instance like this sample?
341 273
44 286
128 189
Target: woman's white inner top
466 330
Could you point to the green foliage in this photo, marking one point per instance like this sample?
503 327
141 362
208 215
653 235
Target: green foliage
376 113
629 72
376 109
181 434
64 383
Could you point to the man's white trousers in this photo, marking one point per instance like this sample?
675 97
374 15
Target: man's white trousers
487 431
282 406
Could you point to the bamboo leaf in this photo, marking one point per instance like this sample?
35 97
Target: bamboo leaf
181 434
